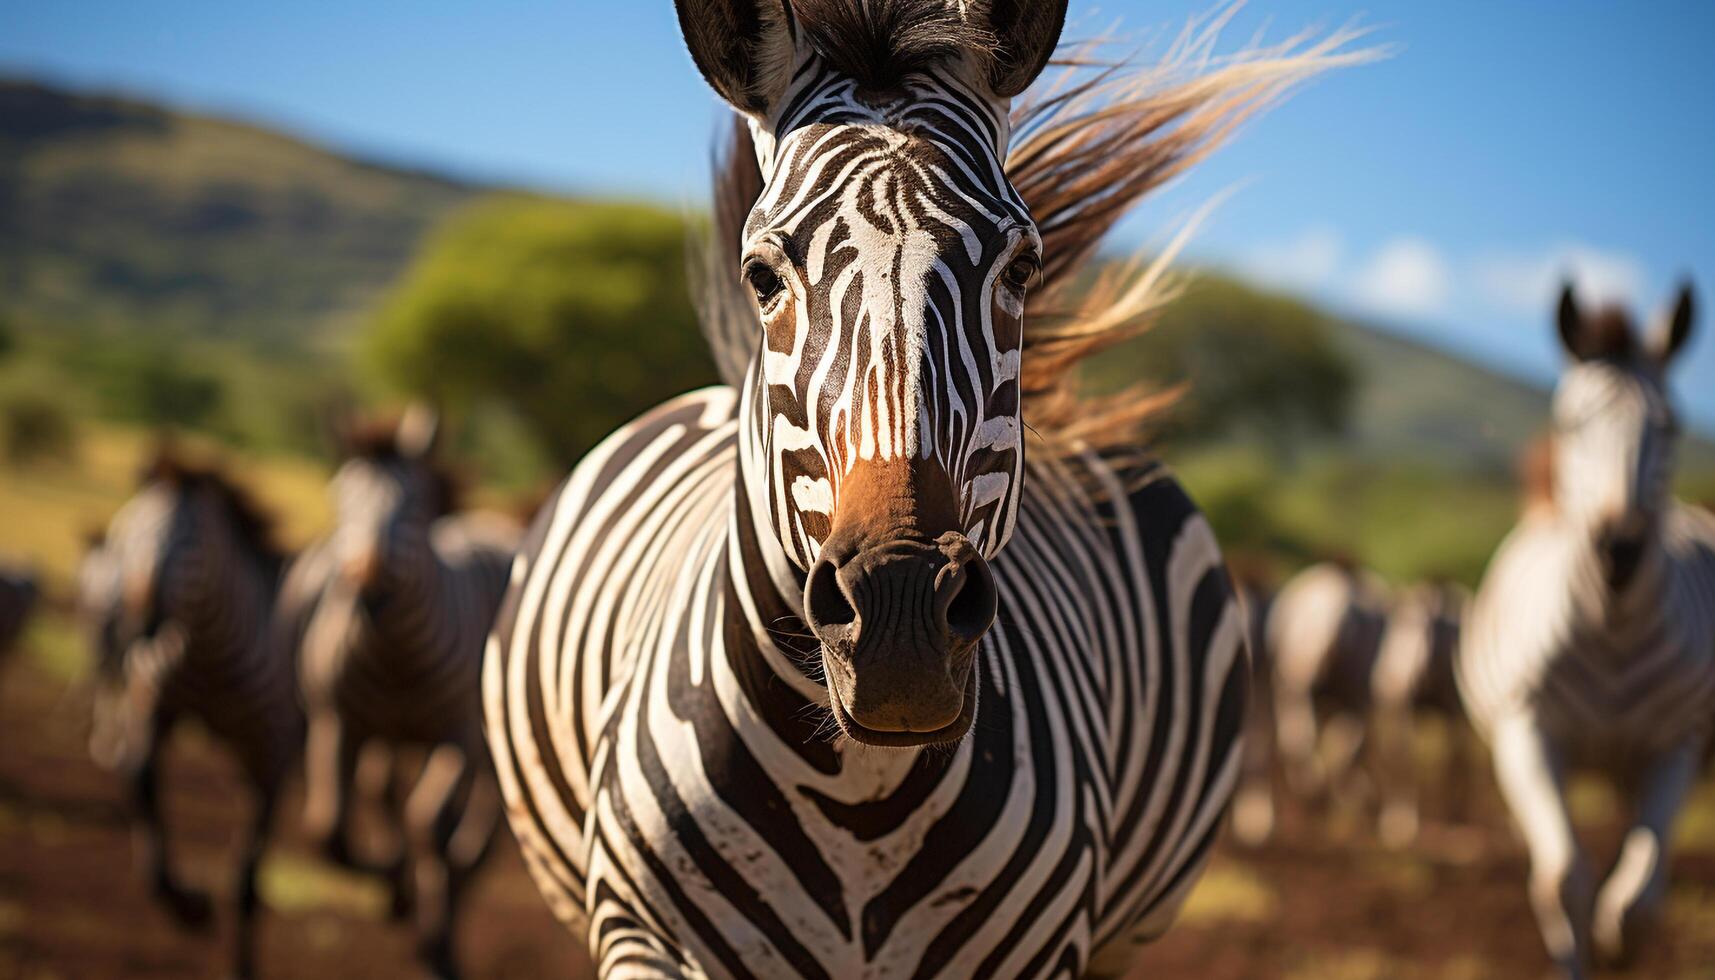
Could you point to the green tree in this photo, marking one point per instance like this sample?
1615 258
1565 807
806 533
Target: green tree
573 316
161 390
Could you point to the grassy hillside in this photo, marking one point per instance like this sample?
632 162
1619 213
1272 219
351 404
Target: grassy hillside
115 212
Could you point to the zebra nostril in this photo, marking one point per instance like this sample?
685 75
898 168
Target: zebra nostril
965 598
825 602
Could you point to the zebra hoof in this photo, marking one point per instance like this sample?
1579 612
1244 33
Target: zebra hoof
402 906
191 909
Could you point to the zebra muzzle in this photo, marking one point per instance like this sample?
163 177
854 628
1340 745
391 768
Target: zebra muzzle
899 624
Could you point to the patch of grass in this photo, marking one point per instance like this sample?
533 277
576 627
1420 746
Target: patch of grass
55 645
1351 964
1230 892
1695 830
1593 801
292 884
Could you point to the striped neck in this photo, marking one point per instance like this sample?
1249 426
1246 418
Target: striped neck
1633 603
228 591
407 595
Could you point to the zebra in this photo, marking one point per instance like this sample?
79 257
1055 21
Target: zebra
1413 676
771 692
177 600
18 595
1324 635
388 613
1591 642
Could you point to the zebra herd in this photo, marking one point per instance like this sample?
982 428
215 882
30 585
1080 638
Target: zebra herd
895 655
1345 673
370 640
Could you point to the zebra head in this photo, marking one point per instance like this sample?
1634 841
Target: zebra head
161 548
1615 427
889 256
386 496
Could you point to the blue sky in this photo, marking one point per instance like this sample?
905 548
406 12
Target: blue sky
1443 190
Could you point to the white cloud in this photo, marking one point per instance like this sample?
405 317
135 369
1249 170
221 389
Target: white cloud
1407 277
1305 262
1526 283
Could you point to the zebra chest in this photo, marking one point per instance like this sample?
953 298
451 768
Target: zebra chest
1626 693
750 862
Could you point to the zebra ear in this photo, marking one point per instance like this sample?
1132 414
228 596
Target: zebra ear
419 430
1026 32
742 47
1666 340
1570 322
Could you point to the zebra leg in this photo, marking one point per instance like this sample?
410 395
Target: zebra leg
1295 722
430 826
1532 776
1630 899
1460 774
1341 748
330 766
249 897
382 784
1253 805
1395 775
189 907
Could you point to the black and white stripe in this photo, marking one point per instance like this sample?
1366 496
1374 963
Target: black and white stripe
389 613
1591 643
178 601
695 780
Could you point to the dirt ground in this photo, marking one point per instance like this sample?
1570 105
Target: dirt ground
1322 901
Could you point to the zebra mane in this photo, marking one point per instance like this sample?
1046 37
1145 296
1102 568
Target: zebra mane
377 439
1088 146
1608 335
879 42
253 525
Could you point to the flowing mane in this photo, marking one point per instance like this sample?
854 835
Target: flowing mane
252 523
1088 145
378 440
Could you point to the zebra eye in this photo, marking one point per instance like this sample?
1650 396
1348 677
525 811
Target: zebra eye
764 282
1021 273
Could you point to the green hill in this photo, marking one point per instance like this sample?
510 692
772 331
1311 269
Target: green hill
115 212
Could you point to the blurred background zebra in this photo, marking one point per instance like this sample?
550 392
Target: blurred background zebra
1592 639
1324 634
1413 681
178 598
389 612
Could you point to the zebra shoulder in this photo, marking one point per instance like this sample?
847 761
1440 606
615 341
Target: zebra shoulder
1154 524
619 471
